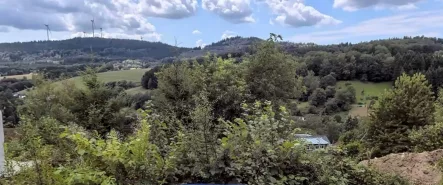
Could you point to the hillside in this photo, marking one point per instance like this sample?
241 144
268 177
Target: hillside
104 49
78 47
418 168
236 46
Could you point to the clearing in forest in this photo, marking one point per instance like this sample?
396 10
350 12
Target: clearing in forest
364 91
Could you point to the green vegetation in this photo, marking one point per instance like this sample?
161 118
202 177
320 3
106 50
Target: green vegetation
19 77
408 106
370 89
133 75
210 122
136 90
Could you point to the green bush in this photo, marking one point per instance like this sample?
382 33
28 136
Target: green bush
257 148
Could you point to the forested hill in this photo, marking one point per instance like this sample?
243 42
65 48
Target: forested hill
101 46
348 61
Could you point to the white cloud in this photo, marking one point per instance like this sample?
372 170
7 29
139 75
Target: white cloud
200 43
296 14
228 34
174 9
115 16
409 6
412 23
353 5
196 32
235 11
4 29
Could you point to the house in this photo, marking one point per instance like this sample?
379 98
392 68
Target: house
314 142
21 96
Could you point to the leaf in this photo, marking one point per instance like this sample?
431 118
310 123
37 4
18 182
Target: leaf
81 152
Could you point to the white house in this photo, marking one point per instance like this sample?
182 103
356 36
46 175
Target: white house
314 142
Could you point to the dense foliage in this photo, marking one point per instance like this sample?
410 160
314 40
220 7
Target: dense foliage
100 46
96 107
218 120
409 105
149 79
9 100
258 148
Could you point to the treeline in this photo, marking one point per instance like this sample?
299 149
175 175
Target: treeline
69 71
375 61
9 101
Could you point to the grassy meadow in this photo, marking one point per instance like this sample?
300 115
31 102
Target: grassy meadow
28 76
134 75
369 88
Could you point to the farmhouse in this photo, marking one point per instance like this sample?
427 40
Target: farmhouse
314 142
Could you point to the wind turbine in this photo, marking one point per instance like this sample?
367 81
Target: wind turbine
92 21
101 32
84 34
47 30
141 38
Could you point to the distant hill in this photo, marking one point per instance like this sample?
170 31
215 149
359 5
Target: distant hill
86 50
101 47
236 46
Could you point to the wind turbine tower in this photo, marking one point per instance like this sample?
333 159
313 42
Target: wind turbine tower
101 32
84 34
47 31
92 22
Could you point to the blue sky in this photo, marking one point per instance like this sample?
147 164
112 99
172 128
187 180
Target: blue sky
200 22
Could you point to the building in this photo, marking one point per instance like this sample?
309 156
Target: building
314 142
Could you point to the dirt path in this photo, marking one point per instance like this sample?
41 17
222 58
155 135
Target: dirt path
418 168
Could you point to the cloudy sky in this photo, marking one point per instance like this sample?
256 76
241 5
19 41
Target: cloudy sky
200 22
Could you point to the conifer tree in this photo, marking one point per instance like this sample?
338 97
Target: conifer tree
408 106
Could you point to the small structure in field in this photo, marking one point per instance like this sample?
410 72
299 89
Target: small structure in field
314 142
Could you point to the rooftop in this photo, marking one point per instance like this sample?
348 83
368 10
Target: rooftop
315 140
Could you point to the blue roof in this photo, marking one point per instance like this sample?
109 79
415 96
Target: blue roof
315 140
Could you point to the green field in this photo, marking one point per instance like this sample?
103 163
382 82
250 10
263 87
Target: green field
369 88
28 76
136 90
134 75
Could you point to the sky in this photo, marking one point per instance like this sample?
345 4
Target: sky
191 23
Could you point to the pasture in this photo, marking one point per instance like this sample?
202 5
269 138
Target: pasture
28 76
364 90
134 75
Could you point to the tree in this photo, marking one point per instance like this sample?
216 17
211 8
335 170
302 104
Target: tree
328 80
177 85
94 107
271 74
408 106
311 82
318 97
331 106
330 91
430 137
149 79
345 97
